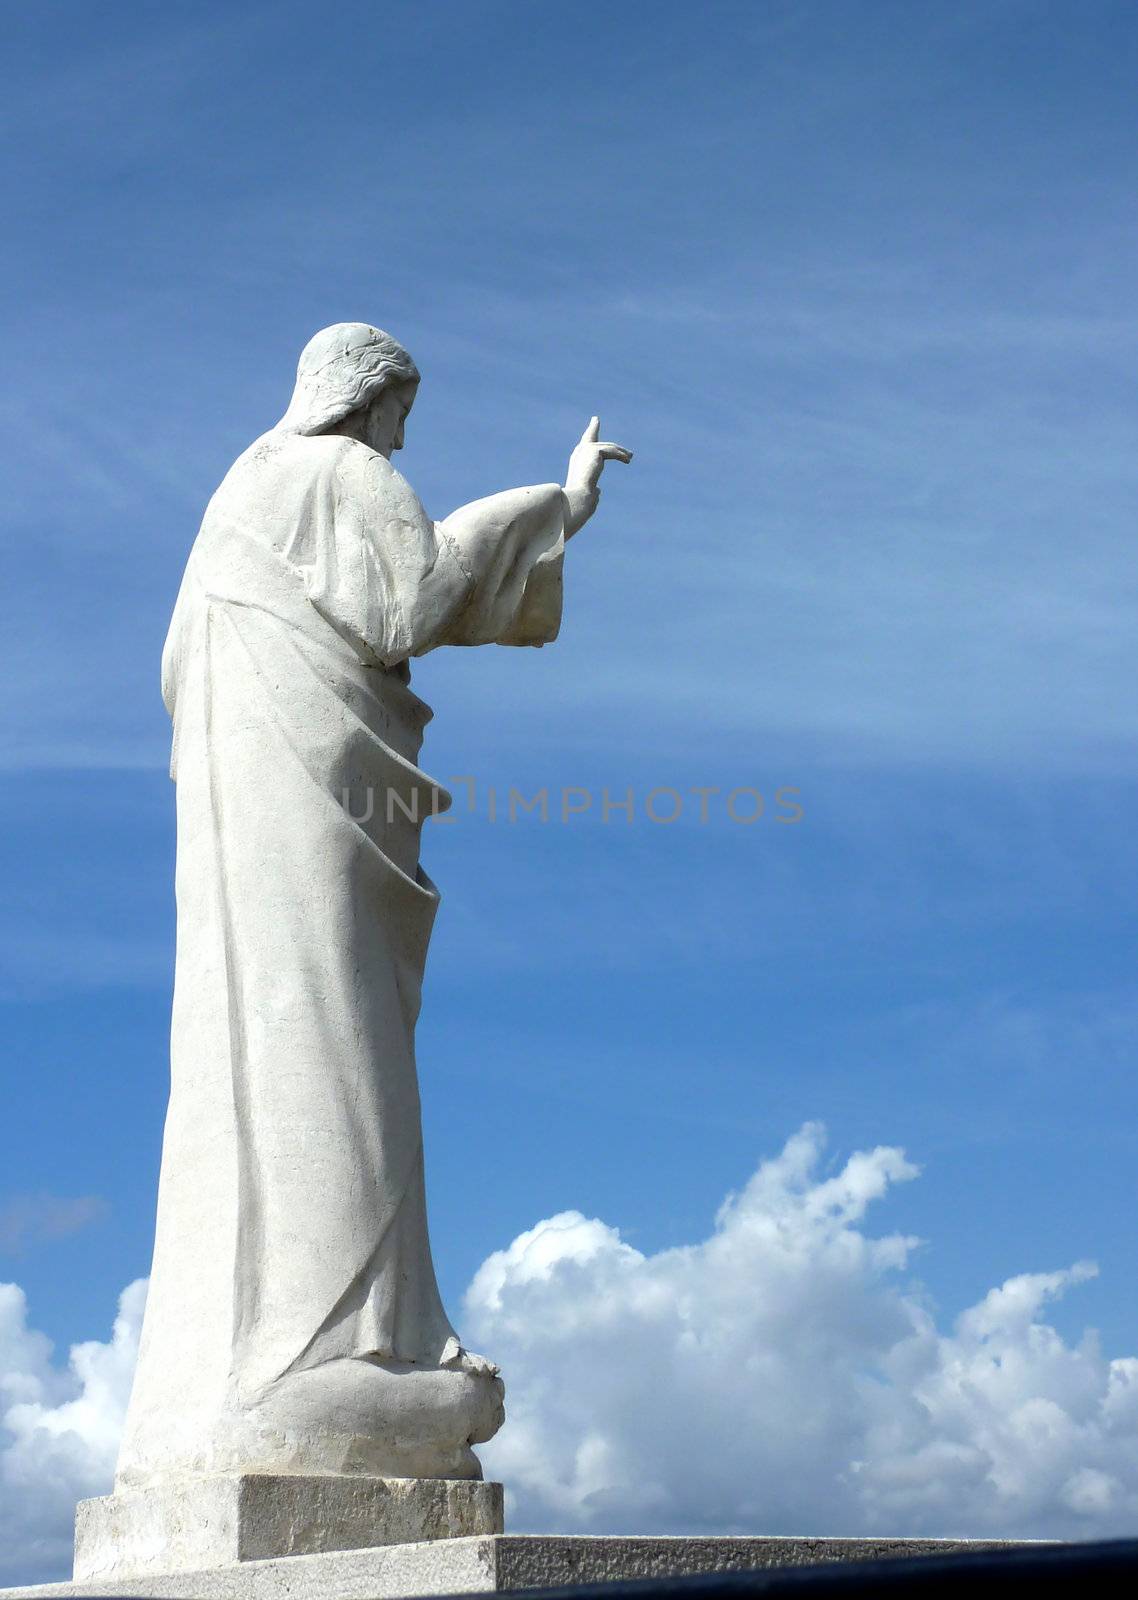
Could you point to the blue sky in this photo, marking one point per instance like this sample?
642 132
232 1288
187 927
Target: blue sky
856 282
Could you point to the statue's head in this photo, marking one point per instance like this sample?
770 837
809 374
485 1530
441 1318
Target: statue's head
353 379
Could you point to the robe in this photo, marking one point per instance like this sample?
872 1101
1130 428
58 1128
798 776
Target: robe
291 1218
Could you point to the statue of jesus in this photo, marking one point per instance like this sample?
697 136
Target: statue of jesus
294 1323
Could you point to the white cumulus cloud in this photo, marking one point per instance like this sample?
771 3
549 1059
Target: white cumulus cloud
781 1376
59 1432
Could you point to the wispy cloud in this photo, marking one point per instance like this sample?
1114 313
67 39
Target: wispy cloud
31 1219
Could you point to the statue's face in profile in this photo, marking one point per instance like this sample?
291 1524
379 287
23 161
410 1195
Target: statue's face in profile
386 415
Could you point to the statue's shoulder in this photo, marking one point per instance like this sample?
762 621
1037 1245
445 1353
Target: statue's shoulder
371 477
277 452
285 453
278 466
279 470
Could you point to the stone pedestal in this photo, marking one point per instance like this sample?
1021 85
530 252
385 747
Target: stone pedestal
193 1524
261 1536
492 1564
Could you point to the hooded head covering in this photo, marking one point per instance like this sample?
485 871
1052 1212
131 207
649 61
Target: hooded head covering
342 368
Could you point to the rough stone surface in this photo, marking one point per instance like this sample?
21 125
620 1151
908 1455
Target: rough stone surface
490 1565
188 1524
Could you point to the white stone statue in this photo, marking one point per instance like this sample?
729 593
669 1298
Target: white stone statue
294 1322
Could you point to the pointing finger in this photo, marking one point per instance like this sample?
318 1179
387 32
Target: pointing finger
614 452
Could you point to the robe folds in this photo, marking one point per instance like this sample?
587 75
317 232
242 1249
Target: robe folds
291 1217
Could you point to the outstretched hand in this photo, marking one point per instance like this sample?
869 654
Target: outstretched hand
582 480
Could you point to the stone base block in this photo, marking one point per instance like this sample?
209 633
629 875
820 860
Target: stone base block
488 1565
187 1524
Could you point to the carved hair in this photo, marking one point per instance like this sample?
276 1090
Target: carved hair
342 368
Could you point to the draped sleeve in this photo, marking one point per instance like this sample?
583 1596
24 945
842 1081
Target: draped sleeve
513 547
396 584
